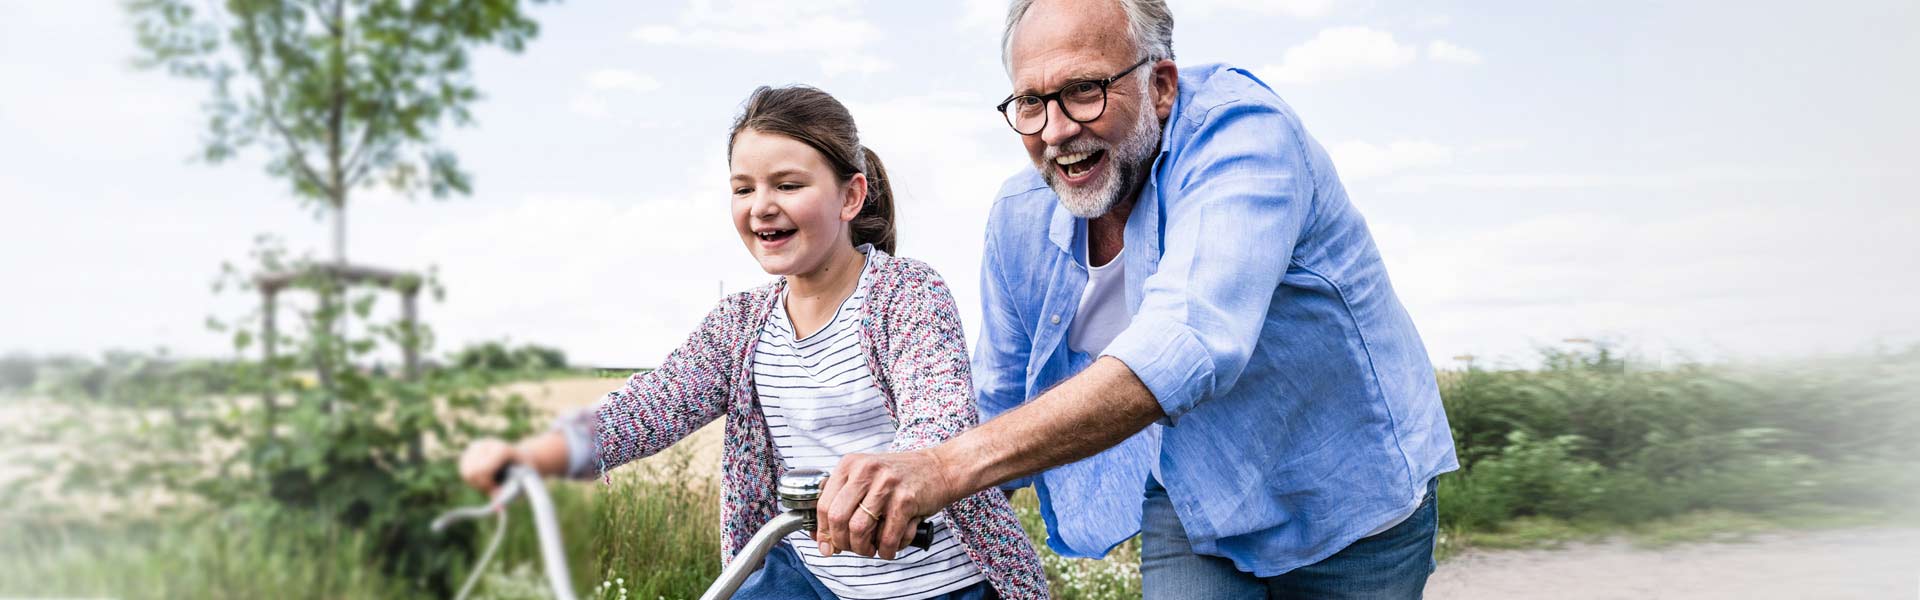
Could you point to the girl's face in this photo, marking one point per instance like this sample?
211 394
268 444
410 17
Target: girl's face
789 206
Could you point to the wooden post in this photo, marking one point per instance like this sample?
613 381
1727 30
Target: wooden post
268 336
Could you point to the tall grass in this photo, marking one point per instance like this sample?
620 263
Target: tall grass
222 555
1116 576
653 528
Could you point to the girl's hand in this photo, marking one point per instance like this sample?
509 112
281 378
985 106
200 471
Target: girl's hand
482 460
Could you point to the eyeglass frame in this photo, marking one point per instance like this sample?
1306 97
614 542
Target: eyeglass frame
1055 98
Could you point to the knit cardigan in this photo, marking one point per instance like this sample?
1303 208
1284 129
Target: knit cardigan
911 335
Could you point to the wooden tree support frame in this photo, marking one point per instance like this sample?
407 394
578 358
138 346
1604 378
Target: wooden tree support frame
407 285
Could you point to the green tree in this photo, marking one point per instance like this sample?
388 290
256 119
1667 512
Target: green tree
342 94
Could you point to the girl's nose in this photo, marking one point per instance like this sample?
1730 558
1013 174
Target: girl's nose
764 207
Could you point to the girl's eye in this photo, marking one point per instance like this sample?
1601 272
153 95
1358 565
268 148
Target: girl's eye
788 187
742 191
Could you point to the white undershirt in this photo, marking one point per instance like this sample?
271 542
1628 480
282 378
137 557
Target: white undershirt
821 403
1103 308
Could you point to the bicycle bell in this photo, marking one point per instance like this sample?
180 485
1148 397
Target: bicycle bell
799 489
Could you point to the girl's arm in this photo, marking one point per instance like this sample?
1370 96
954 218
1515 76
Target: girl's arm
655 408
652 411
927 369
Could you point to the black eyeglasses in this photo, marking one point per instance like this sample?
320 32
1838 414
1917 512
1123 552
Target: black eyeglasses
1082 101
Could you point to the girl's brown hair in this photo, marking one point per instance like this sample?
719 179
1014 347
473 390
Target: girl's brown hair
816 119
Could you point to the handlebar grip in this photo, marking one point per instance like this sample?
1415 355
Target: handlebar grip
923 536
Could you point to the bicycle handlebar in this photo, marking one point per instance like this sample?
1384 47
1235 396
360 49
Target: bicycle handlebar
799 489
515 481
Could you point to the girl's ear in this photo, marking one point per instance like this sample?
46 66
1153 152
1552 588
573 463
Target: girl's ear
854 198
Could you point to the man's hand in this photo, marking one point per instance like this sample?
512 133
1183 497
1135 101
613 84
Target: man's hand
901 489
1087 413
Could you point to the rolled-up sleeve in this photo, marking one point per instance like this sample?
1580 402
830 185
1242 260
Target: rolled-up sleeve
1237 200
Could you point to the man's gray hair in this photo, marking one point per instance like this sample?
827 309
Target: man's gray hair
1149 25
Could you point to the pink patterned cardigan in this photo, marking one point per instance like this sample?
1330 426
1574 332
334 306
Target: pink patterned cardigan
911 333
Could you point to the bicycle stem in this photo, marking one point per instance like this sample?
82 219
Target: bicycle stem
799 489
755 552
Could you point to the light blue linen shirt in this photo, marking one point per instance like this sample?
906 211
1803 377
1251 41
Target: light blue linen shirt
1301 409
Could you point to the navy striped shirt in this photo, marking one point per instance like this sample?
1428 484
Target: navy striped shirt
821 403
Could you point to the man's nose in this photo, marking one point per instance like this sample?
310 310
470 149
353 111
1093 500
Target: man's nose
1059 128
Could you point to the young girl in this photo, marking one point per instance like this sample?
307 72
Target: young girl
850 350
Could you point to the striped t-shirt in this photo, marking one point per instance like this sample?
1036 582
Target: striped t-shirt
821 403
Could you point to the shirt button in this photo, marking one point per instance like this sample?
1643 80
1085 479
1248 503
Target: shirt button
1056 319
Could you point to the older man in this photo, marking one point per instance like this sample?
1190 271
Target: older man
1190 334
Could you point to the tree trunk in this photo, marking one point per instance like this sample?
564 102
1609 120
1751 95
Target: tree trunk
340 232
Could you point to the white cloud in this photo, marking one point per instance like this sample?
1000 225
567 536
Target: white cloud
1432 22
983 15
766 27
621 80
858 64
1444 51
1360 160
589 105
835 30
1303 9
1341 52
603 85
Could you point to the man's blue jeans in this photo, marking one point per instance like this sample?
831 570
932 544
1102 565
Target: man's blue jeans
1392 564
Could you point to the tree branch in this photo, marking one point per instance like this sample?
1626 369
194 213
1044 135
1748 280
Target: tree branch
356 168
268 91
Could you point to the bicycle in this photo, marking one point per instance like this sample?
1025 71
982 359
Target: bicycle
798 489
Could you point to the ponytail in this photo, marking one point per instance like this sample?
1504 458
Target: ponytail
874 224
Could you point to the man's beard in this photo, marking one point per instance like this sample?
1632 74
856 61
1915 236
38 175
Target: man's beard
1126 168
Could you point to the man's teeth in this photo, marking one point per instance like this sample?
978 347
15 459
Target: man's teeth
1068 159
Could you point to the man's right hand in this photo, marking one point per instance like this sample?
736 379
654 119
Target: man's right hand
482 460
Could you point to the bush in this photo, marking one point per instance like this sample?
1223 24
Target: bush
1595 437
496 356
17 372
353 449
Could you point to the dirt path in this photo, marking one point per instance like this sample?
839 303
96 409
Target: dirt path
1837 564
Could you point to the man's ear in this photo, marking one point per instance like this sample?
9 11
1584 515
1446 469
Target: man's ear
855 197
1166 87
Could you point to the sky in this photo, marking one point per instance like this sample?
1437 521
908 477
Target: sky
1686 180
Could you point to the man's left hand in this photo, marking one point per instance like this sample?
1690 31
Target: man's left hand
872 502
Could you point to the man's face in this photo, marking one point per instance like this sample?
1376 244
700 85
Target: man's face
1091 165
